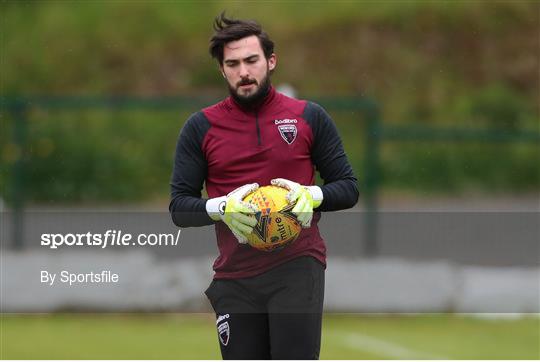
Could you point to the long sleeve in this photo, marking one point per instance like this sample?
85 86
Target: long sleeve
340 189
187 208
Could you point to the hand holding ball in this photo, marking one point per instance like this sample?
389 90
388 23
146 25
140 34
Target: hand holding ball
276 226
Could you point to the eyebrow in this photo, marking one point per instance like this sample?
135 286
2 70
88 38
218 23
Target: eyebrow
251 57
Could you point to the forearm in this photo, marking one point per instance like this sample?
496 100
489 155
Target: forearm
340 190
187 211
339 195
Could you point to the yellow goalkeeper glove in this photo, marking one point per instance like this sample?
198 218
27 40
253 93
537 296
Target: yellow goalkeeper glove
238 215
306 197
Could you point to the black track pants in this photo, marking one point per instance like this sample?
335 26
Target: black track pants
275 315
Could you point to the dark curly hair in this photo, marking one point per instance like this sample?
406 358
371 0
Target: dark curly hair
227 30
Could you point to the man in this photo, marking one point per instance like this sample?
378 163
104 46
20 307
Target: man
268 305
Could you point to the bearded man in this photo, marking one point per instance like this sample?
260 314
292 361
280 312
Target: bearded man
268 304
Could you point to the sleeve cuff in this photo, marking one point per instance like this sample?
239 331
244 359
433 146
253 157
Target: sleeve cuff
317 194
216 207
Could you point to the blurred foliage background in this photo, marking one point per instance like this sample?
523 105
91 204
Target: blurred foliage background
467 64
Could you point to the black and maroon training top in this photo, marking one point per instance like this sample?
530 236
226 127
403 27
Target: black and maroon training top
226 146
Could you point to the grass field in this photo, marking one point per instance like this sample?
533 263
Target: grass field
182 336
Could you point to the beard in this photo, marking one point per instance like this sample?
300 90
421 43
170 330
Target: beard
256 97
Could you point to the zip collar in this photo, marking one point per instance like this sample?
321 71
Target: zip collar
256 108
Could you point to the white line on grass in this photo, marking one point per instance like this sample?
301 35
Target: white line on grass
381 347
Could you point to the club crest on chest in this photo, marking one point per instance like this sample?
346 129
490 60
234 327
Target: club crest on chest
287 129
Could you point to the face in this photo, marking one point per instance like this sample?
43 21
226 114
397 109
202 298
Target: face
246 69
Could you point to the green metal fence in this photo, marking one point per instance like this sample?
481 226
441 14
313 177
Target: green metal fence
375 134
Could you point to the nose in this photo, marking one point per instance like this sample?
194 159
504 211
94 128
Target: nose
243 71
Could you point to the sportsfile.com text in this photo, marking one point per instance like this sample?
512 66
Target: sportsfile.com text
109 238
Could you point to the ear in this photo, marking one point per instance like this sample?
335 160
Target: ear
222 71
272 62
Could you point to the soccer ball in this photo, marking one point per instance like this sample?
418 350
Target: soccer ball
277 226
